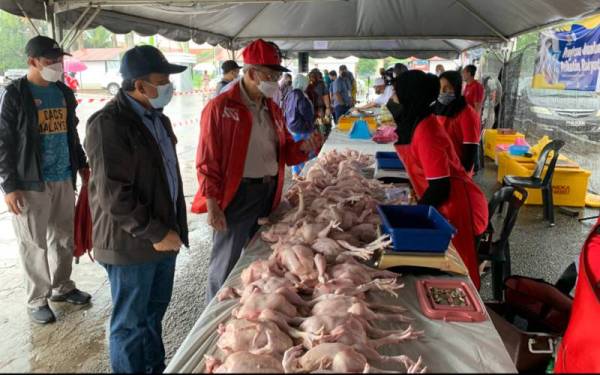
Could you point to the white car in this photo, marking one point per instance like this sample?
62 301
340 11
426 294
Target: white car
112 82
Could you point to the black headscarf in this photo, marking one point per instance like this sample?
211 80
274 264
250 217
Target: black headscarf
416 91
459 103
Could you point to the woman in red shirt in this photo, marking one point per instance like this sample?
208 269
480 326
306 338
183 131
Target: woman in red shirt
433 167
579 351
459 119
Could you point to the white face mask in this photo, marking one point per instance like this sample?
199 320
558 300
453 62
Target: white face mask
268 89
165 94
52 73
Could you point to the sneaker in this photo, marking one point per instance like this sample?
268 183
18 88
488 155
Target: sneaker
41 315
76 297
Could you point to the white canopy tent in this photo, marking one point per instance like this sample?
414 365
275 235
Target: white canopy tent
364 28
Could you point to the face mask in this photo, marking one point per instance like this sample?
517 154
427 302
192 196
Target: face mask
268 89
52 73
165 94
446 98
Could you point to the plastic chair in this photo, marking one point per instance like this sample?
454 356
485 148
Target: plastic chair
536 181
497 251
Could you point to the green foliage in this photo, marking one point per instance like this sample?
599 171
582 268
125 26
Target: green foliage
14 34
526 40
97 38
366 67
197 81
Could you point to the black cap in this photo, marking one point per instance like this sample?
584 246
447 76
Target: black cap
229 65
42 46
143 60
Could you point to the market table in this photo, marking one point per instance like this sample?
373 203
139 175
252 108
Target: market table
446 346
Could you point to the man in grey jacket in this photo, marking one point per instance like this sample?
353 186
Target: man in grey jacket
138 207
40 155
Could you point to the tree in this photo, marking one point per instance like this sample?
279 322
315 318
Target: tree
525 40
14 33
366 67
97 38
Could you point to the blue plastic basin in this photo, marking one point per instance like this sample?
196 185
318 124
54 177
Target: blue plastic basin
418 228
388 160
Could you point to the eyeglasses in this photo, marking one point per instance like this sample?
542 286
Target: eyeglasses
271 76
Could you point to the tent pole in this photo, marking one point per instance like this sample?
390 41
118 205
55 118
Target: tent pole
482 20
75 26
27 17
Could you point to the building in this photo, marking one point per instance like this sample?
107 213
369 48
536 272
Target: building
101 63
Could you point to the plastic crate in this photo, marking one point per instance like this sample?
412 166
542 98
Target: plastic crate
569 185
388 160
491 139
418 228
345 123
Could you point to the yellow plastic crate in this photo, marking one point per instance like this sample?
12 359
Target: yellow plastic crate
491 139
569 185
345 123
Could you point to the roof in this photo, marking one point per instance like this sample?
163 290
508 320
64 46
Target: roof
422 28
98 54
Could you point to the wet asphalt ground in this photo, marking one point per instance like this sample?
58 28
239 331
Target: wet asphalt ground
77 342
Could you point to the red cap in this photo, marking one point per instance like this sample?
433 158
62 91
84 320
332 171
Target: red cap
264 53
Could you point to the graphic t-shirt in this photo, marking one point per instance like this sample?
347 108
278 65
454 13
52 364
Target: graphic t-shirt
52 121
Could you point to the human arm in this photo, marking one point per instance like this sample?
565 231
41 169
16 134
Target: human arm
470 125
9 105
209 155
437 192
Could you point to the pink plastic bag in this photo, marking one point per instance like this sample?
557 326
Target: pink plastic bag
385 134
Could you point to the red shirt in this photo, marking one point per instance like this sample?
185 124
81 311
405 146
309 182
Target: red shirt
225 128
430 156
473 93
579 351
463 129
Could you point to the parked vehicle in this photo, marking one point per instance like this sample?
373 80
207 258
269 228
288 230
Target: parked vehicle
12 74
112 83
576 112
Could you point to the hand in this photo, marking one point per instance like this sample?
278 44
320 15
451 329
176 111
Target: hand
84 173
216 216
313 143
171 242
15 202
327 112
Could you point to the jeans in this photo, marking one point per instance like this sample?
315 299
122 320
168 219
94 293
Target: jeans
140 296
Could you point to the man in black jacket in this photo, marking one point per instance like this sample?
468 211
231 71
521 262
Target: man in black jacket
40 155
138 207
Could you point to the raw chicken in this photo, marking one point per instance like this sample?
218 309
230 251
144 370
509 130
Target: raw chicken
340 358
242 335
244 362
302 262
261 269
258 301
347 287
340 305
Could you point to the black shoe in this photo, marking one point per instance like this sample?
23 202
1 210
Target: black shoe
41 315
76 297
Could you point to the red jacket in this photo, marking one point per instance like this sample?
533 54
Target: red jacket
224 136
579 351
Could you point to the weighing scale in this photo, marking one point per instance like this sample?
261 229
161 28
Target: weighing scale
449 261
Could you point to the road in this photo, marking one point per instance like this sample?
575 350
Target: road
77 342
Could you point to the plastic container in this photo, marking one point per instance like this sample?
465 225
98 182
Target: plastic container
360 130
493 137
418 228
464 308
518 150
569 185
346 122
388 160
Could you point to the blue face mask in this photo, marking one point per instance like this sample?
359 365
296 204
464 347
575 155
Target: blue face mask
446 98
165 94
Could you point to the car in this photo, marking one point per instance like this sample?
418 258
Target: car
576 112
13 74
112 82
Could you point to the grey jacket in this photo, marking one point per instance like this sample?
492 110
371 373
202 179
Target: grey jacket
20 144
128 189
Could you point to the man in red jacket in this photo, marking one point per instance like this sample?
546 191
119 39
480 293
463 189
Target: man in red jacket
243 150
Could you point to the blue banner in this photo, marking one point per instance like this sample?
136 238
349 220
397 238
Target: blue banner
569 57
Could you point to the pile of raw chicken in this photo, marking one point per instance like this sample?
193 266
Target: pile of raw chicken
306 308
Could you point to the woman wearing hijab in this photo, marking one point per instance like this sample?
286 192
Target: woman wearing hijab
299 114
433 167
459 119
